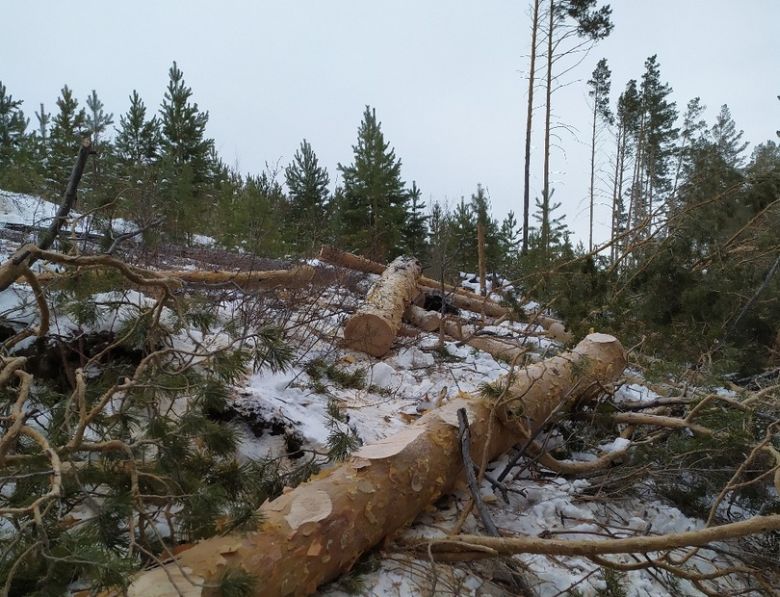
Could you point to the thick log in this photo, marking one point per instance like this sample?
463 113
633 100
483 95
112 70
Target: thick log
430 321
316 532
373 327
361 264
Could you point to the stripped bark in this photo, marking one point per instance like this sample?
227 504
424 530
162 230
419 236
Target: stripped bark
316 532
372 329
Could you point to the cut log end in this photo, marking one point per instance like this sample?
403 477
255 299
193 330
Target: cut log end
369 333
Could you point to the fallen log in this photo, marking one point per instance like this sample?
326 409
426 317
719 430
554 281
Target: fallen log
361 264
373 327
458 297
296 277
316 532
430 321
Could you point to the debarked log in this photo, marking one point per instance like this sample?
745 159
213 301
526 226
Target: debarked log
373 327
317 531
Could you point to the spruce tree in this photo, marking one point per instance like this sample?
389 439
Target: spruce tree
374 211
464 226
307 183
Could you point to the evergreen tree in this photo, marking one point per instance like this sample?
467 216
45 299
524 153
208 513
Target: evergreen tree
727 139
12 127
599 92
656 142
187 156
138 139
416 231
628 116
693 130
509 241
307 183
464 226
553 231
97 121
67 129
374 210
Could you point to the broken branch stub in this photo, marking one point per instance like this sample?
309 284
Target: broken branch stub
372 329
317 531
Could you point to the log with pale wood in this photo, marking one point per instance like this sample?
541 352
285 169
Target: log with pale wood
431 321
316 532
458 297
373 327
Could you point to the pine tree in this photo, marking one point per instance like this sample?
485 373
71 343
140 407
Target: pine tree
137 150
187 156
138 139
416 230
628 116
374 194
97 121
599 92
727 139
509 240
12 127
307 183
654 142
67 128
569 19
535 25
694 127
464 225
552 230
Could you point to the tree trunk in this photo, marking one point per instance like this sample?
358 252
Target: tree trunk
431 321
528 122
547 115
481 258
459 297
316 532
374 326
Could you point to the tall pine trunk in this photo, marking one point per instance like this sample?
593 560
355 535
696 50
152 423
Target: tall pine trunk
528 122
547 112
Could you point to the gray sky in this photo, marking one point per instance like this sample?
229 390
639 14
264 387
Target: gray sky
445 76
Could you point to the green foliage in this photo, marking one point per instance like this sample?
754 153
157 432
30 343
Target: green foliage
373 213
237 583
615 584
307 182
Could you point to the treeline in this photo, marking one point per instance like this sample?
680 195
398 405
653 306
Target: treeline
161 170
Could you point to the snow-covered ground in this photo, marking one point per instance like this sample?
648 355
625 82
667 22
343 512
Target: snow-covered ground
418 374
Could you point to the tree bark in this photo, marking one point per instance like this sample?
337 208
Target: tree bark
316 532
459 297
481 258
431 321
528 123
372 329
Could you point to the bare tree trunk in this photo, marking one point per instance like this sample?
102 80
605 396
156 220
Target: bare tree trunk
592 170
528 123
547 117
374 326
316 532
481 258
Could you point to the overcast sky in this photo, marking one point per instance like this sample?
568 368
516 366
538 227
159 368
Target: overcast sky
445 76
